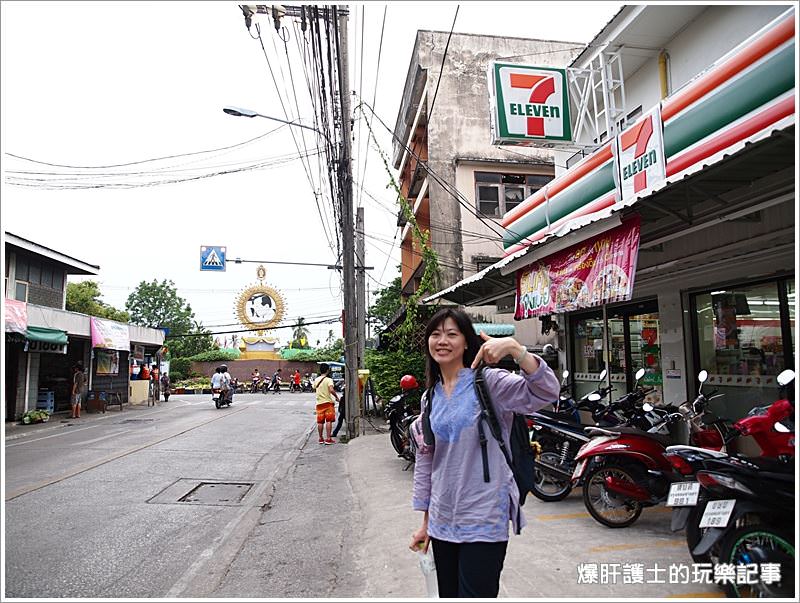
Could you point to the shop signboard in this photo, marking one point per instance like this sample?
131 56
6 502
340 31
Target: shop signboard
597 271
16 316
110 335
528 104
640 156
46 347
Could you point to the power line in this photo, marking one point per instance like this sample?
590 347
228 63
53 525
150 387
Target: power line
444 56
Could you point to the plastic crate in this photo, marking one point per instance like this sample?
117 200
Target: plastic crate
46 400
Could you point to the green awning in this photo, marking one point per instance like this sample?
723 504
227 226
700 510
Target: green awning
494 330
46 335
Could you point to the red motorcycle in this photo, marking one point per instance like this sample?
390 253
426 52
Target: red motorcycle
625 470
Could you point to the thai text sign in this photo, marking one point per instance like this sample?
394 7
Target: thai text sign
528 104
110 335
640 155
597 271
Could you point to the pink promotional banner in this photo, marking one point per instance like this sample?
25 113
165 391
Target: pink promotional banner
110 335
16 316
597 271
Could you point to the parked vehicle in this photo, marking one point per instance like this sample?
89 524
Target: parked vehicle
556 437
400 414
306 386
775 440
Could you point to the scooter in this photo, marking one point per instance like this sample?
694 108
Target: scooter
400 415
220 399
766 426
305 386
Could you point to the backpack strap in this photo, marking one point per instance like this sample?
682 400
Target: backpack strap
427 432
490 418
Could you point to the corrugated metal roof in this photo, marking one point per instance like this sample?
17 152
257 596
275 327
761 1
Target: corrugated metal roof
494 329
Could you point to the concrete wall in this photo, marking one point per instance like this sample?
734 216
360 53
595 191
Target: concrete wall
241 369
458 124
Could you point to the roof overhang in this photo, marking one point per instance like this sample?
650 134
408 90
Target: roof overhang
74 266
762 155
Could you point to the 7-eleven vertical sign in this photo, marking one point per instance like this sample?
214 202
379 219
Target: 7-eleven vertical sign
640 156
528 104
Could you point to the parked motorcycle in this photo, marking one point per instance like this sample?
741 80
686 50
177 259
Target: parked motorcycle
776 443
400 414
556 438
305 386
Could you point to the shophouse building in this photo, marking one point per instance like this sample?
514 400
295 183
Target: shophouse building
683 140
44 340
457 183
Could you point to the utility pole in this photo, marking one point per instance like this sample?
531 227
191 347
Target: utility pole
361 321
348 239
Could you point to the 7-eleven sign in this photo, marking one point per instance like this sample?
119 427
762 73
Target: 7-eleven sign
528 104
640 156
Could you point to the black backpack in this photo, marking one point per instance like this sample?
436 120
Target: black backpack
520 459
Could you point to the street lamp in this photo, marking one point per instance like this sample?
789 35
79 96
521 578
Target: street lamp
239 112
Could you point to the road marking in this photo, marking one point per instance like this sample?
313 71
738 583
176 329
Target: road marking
105 437
624 547
112 457
55 435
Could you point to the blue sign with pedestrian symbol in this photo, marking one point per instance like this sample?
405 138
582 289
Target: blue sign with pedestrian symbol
212 258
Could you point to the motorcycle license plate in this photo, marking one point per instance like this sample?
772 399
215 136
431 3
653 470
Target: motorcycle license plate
717 513
683 494
579 469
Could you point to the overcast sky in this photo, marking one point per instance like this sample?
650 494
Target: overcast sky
96 84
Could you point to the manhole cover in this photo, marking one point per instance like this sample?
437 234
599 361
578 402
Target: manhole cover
220 493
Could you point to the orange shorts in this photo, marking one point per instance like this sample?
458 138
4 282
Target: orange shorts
326 412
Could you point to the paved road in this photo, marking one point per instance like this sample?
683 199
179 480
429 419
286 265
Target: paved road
93 506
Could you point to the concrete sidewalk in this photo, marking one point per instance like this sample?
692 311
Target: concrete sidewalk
543 562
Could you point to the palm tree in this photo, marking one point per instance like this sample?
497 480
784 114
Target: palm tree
300 333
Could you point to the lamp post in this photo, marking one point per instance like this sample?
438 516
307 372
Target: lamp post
239 112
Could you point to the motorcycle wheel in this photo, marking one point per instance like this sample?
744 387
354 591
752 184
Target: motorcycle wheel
547 487
216 402
397 441
756 544
610 509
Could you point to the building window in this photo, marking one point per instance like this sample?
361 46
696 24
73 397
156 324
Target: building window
497 194
21 292
741 337
22 267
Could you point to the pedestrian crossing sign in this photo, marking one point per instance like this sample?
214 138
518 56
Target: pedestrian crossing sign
212 258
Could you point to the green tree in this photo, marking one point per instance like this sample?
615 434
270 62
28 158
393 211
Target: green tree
386 306
85 298
300 335
158 305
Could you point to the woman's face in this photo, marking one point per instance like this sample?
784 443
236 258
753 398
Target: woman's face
446 343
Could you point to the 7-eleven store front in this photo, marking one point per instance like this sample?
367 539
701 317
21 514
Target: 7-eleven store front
709 175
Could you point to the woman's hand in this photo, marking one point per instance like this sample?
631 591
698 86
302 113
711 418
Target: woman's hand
494 349
420 539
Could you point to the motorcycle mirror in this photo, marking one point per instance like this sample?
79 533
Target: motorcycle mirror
640 374
603 374
564 375
702 376
594 397
647 407
785 377
781 427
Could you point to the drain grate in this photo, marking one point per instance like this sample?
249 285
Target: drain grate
135 421
217 493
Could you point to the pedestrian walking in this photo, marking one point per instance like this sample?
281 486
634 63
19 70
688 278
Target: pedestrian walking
326 394
462 481
78 383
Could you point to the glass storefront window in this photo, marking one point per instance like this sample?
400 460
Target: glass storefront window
589 362
740 345
646 353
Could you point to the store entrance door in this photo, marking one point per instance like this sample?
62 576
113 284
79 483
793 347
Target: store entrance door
627 341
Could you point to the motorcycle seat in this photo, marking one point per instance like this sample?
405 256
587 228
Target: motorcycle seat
663 440
557 416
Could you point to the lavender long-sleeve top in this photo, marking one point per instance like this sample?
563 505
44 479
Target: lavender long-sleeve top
448 481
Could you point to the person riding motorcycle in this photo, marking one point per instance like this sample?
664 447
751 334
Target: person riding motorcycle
226 383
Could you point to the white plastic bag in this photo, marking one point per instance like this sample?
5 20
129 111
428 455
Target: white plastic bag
428 567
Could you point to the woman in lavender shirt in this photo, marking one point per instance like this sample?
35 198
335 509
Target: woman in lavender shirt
466 519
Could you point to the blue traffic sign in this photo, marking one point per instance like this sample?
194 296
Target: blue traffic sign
212 258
